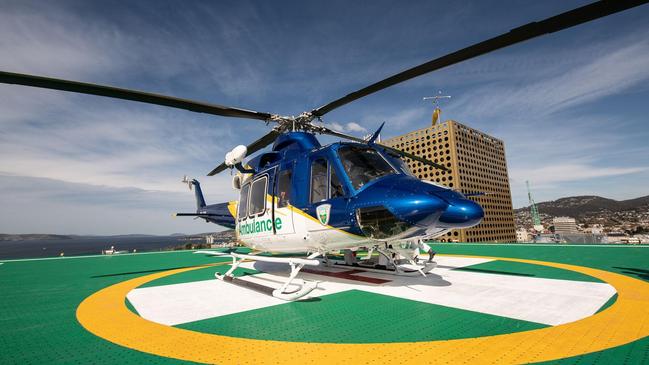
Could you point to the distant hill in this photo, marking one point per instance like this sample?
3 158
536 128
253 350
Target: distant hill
45 236
589 205
613 214
33 236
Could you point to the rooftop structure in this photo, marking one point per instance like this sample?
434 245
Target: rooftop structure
95 309
522 235
564 225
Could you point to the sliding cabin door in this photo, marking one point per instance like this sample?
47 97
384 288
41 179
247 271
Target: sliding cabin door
327 199
255 213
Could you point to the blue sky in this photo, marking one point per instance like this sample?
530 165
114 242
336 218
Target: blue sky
571 107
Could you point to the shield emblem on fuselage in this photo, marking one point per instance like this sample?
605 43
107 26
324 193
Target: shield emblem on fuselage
323 213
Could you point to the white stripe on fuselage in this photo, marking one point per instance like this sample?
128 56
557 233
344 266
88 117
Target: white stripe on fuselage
296 232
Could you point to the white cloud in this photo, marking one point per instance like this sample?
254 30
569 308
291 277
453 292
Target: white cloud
347 127
114 146
337 126
44 44
39 205
397 122
566 172
622 64
355 127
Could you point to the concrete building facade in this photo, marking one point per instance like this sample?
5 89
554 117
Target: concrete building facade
477 164
564 225
522 235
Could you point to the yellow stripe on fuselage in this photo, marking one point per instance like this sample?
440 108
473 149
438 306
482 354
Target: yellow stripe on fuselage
302 213
233 205
232 208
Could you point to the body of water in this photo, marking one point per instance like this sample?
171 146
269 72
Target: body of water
81 245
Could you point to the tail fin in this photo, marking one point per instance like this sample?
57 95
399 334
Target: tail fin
193 183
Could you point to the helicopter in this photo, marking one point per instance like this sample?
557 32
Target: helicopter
303 197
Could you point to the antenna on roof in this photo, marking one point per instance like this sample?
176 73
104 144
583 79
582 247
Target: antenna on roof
437 112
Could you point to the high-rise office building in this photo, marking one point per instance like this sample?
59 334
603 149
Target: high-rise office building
477 165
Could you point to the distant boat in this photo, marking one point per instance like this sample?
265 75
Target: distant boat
112 251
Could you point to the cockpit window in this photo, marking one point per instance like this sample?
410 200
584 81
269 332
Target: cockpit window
363 164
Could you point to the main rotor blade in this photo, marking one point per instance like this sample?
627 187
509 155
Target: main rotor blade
559 22
413 157
126 94
391 149
255 146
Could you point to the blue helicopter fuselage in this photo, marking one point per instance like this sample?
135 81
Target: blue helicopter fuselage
360 189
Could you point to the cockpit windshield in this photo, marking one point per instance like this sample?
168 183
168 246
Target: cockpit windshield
363 164
398 161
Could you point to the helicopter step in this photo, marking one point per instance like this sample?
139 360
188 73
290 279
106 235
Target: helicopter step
289 291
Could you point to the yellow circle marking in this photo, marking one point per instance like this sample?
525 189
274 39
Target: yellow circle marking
105 314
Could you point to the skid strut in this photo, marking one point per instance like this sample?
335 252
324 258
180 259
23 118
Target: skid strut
397 262
284 292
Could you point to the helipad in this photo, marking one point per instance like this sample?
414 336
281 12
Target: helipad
567 304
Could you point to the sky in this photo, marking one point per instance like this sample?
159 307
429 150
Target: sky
571 107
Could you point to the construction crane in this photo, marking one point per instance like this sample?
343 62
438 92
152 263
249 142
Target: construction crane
536 219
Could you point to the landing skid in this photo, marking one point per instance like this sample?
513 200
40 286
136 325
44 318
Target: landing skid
302 289
284 292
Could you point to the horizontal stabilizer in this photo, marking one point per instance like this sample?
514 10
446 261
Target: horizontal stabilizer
200 215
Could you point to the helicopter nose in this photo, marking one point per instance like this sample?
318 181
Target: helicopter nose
419 209
462 213
403 206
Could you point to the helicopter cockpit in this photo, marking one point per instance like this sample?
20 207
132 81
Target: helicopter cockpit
363 164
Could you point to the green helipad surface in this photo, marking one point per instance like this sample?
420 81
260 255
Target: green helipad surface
39 299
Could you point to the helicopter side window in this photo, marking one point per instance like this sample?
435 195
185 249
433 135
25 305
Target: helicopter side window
363 164
284 188
258 196
336 188
243 201
318 180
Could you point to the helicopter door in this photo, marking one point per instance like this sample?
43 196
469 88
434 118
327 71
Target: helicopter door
255 213
283 193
